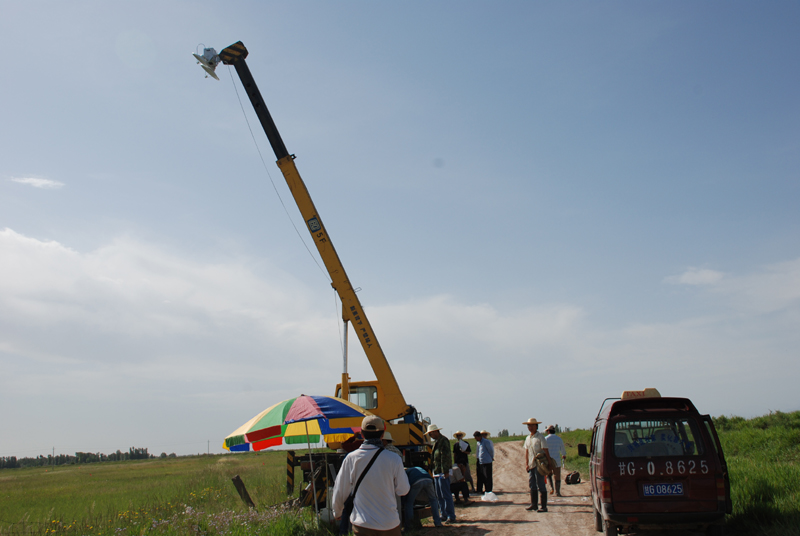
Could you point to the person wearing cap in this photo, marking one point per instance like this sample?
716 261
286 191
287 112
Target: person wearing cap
375 504
485 458
535 444
558 454
441 462
387 444
461 452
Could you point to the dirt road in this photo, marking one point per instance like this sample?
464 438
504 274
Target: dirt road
570 514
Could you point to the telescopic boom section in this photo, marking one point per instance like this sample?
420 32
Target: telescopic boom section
394 405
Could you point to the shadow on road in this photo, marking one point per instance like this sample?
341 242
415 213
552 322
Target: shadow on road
502 521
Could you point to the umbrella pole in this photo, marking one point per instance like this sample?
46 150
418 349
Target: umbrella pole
313 480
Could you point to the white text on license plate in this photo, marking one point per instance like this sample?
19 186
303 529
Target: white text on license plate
663 490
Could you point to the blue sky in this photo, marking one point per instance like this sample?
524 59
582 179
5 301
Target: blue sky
544 205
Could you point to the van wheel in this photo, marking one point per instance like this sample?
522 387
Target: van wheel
715 530
598 520
611 529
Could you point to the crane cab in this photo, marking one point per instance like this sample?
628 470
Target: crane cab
406 430
366 395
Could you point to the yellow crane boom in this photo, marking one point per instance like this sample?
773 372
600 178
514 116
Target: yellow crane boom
383 397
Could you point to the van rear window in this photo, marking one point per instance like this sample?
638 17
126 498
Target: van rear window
668 437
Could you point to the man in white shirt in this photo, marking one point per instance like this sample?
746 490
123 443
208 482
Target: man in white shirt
375 506
559 455
535 444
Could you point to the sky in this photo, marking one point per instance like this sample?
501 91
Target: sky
543 204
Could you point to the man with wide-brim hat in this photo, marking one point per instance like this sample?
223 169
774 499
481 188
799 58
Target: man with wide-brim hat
461 452
441 462
535 445
485 456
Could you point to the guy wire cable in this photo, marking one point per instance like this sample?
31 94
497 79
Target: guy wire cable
274 187
263 163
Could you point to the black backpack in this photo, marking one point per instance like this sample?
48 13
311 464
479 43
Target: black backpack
573 478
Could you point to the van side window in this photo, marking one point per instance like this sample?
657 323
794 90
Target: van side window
671 437
597 447
711 435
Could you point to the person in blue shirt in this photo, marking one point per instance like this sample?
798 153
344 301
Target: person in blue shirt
485 459
419 480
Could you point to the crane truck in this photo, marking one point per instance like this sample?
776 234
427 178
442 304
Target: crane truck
381 396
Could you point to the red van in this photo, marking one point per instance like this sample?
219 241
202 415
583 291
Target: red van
656 463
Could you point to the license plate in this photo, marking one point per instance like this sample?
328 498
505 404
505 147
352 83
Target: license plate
663 490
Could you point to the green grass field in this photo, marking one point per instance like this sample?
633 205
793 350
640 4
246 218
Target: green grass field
194 495
164 496
763 455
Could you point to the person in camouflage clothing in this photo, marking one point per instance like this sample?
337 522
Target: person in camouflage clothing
441 463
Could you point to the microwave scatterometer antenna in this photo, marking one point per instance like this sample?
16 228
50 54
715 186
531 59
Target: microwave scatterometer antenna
208 61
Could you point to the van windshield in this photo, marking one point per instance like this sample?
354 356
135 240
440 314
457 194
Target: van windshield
663 437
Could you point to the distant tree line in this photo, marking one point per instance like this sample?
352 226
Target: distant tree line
11 462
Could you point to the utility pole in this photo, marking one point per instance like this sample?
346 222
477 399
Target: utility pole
209 447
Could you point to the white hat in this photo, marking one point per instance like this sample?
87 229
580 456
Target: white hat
433 428
387 436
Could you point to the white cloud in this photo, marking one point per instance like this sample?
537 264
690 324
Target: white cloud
131 299
217 342
696 276
44 184
774 288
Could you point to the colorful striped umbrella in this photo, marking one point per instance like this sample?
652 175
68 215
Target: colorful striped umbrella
298 420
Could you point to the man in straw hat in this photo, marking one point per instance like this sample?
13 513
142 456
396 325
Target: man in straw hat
388 444
461 452
375 504
485 458
441 462
535 444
